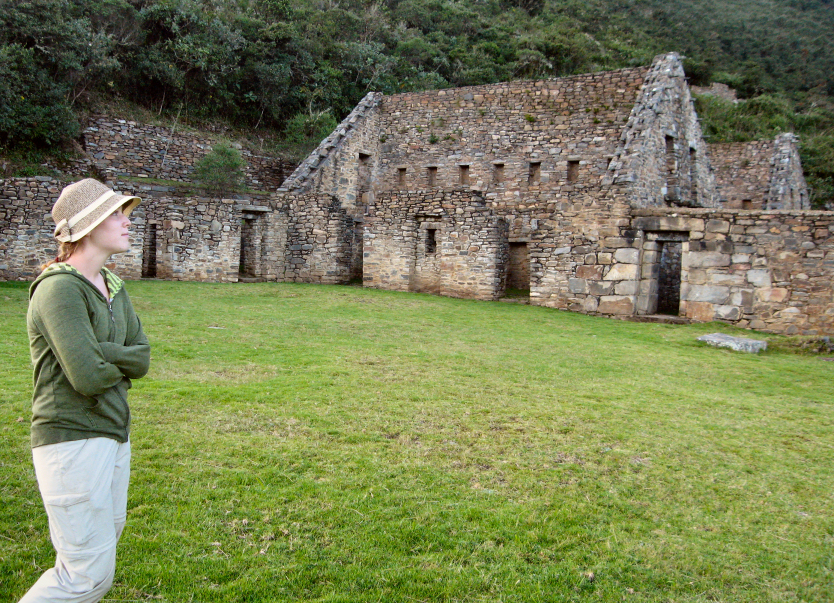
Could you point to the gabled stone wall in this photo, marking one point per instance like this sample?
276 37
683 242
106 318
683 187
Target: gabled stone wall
341 164
764 174
662 156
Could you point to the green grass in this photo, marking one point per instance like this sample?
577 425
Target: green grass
312 443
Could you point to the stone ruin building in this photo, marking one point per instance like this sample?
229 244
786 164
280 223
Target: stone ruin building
596 193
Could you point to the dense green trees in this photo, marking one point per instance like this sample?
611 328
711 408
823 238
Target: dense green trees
273 63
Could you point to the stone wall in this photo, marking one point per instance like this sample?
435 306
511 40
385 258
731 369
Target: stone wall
742 172
319 237
26 230
722 91
123 148
767 270
443 242
763 174
663 157
509 140
341 165
194 238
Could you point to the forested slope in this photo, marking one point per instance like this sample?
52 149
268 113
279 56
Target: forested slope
296 67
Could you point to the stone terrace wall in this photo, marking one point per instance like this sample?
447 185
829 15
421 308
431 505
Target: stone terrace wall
766 270
550 123
318 240
663 156
443 242
341 165
118 147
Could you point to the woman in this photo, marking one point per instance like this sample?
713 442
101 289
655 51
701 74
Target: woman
86 345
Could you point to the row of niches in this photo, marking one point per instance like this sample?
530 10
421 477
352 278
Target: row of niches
498 174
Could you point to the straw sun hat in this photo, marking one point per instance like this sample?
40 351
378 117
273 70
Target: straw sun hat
84 205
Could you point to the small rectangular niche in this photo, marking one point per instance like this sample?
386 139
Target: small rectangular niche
498 173
401 176
534 176
464 174
364 158
693 174
573 170
431 175
431 241
746 204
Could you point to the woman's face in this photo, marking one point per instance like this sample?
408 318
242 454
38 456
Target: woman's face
111 235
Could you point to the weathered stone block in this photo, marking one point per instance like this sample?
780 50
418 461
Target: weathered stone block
622 272
616 305
704 259
739 344
705 293
627 255
592 272
759 278
772 294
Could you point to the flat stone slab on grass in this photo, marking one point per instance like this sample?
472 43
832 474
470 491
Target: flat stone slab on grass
739 344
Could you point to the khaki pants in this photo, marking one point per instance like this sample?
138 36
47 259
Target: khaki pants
84 488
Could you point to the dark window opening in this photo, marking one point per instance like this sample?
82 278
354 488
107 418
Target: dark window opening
498 173
464 174
149 252
746 204
431 241
693 174
432 176
573 171
401 177
535 174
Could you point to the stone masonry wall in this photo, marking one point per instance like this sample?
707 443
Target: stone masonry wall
318 239
26 230
663 156
788 189
340 166
197 238
742 172
507 141
766 270
446 243
763 174
121 148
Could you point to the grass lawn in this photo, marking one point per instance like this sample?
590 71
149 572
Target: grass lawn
312 443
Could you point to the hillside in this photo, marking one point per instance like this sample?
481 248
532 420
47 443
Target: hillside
294 68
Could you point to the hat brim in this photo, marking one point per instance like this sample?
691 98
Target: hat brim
128 202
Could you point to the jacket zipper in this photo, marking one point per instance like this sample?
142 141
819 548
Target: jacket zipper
112 318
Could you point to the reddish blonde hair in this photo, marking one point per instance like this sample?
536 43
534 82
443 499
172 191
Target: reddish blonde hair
65 250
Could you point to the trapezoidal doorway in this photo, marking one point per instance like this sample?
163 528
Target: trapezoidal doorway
253 247
518 270
660 285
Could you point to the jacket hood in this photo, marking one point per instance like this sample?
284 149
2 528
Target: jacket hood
114 283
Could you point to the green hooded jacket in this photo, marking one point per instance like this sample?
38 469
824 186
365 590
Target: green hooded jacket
85 351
